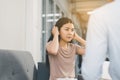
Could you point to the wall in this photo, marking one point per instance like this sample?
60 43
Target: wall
64 6
34 29
12 24
20 26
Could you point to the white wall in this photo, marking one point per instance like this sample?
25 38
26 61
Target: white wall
33 28
20 26
12 24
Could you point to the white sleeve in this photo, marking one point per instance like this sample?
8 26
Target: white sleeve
96 48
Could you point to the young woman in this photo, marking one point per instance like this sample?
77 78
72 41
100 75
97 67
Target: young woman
61 51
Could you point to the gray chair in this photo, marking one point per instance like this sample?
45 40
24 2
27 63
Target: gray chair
17 65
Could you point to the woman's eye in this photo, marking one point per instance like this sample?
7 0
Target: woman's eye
66 29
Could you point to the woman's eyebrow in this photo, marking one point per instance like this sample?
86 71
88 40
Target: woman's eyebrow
68 27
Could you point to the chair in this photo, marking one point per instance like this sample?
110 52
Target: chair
43 71
17 65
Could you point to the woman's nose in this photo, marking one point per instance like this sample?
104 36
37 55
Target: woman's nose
71 32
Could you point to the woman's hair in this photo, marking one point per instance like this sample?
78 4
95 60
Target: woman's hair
59 24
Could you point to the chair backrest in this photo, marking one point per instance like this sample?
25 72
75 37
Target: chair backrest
43 71
17 65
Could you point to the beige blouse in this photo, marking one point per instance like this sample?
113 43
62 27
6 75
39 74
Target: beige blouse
63 64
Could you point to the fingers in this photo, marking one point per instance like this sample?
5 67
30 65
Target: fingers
55 30
75 35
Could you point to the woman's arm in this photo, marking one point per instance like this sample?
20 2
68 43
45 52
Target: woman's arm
80 49
79 39
53 46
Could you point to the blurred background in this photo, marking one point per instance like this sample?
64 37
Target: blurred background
25 25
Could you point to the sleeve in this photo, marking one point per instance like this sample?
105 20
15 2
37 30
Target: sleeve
96 48
77 47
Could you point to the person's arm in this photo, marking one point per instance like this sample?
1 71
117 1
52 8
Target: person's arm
96 48
53 46
80 49
79 39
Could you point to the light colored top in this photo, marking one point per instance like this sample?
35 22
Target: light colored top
62 65
103 38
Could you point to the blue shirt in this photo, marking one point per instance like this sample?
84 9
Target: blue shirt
103 39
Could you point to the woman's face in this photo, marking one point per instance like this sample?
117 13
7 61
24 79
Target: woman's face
67 32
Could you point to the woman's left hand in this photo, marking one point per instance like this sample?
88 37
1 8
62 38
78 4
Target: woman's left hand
79 39
76 36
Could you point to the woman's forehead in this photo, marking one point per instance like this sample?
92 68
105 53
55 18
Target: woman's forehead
68 25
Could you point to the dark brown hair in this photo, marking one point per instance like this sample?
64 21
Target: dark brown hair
59 24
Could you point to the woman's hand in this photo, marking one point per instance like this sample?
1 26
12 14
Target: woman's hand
55 31
76 36
79 39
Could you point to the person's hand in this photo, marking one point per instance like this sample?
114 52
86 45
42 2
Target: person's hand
76 36
55 31
79 39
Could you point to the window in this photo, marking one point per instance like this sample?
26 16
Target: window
50 14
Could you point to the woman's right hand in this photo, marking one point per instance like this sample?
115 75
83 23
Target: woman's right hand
55 31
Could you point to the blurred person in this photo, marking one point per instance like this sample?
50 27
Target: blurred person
103 40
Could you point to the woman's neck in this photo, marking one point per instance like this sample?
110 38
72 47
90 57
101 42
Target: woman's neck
63 44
